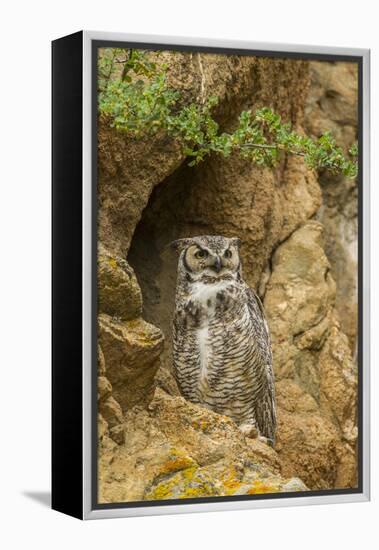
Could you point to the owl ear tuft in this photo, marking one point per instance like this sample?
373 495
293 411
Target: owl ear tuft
179 244
236 241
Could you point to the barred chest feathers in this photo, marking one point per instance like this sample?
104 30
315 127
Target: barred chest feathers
216 320
209 302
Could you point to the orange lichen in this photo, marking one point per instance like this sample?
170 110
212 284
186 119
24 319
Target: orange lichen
259 487
230 481
176 461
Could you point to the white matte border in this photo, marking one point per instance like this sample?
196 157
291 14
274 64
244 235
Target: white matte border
88 513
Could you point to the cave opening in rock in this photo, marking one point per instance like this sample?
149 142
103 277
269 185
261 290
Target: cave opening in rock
152 260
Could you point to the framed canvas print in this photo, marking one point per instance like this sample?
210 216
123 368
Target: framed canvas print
210 275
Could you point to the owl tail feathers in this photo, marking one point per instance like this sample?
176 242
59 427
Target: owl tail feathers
266 418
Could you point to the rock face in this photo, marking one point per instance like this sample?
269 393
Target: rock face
332 105
129 348
131 351
119 294
315 376
154 444
178 450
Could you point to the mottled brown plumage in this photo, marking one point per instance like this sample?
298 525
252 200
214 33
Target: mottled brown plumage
221 343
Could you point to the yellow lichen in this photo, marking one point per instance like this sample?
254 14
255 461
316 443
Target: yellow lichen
188 483
198 485
176 461
202 490
200 424
112 262
133 324
230 481
259 487
161 492
189 473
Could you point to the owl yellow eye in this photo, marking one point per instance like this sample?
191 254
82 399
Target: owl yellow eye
201 253
228 254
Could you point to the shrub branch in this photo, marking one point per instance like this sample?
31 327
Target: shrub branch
139 101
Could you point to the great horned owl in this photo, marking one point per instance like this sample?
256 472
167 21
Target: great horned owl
221 343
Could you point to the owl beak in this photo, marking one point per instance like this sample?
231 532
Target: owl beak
217 264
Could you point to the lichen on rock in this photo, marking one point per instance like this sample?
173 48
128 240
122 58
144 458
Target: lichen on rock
175 449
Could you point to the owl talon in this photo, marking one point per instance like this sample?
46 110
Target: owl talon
249 430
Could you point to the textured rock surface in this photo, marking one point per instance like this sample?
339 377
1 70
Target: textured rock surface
315 376
332 105
131 352
178 450
153 444
118 291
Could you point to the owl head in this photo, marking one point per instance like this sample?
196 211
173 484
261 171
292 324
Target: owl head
209 257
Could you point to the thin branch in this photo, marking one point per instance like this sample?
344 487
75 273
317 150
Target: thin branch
125 69
267 146
260 146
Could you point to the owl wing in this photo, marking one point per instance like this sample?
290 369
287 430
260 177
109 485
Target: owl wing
186 367
265 409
